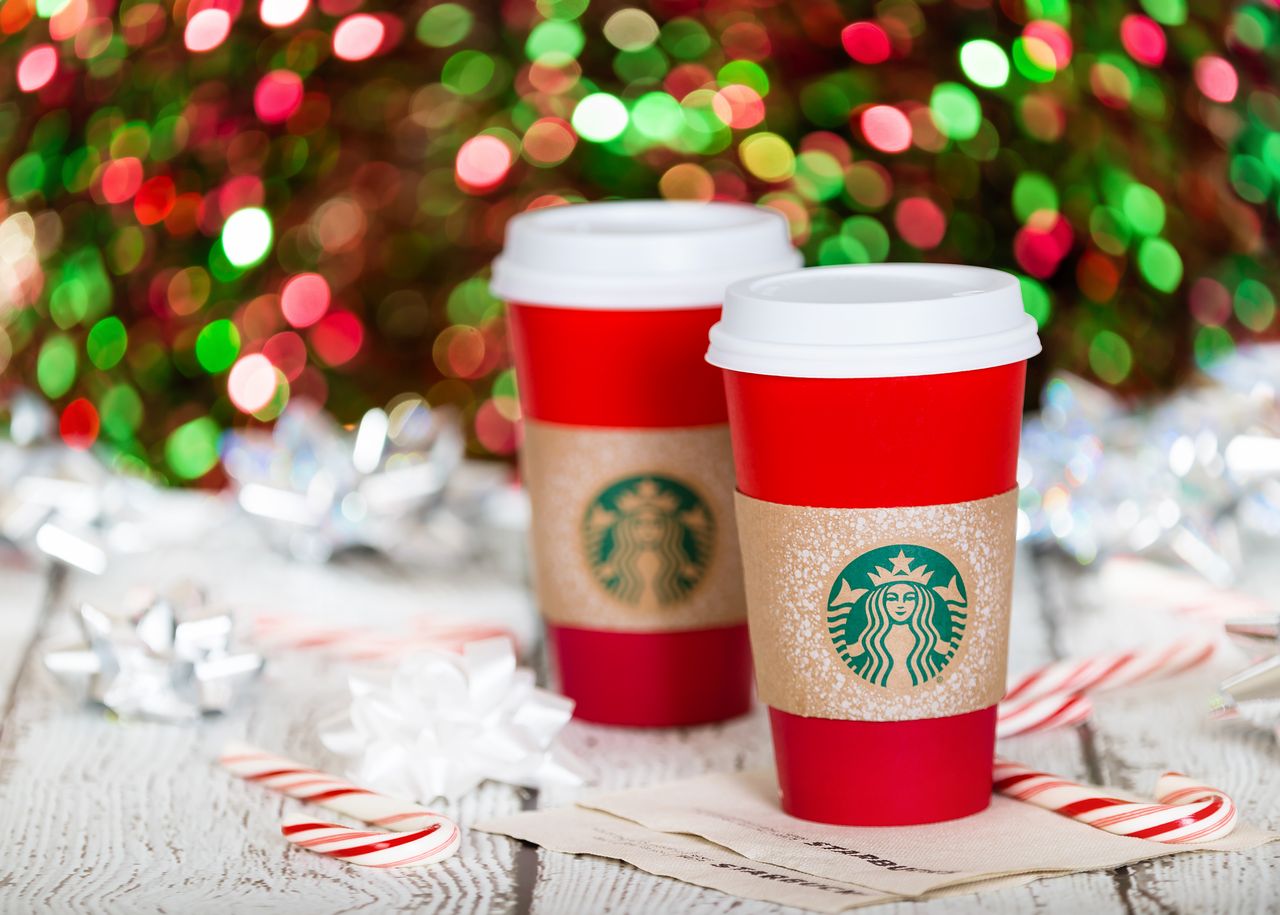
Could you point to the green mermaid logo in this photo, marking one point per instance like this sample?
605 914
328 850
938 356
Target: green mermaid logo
892 621
648 540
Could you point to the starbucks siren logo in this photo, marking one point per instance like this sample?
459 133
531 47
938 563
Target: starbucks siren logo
897 614
648 540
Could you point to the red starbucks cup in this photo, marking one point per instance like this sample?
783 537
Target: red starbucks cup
626 450
875 413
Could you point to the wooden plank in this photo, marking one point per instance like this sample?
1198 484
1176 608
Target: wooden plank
23 589
1141 731
136 817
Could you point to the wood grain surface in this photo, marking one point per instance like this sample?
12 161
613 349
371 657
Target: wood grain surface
103 816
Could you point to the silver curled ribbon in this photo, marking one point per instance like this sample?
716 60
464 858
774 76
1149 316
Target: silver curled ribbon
65 505
1253 694
442 723
168 659
318 489
1178 478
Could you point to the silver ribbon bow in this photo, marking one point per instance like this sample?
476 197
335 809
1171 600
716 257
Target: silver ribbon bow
443 723
169 659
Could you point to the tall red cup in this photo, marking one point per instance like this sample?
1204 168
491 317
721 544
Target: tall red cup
875 414
626 452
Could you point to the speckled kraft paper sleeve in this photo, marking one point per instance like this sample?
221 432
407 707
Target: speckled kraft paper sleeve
633 529
882 614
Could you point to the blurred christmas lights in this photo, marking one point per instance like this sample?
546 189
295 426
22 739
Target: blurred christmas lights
215 208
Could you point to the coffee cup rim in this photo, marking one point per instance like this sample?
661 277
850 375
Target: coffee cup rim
638 254
874 320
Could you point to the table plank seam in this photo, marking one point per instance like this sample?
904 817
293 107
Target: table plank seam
55 582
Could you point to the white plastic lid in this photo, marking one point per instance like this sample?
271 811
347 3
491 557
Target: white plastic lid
638 254
873 321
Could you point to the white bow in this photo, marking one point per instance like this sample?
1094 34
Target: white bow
443 723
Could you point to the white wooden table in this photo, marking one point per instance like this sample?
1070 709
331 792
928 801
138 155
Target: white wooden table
99 816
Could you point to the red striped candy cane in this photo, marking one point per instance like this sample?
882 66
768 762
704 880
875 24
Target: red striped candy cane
1108 671
306 784
1186 811
374 849
353 643
1033 715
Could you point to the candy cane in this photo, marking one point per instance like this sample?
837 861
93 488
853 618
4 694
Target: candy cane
306 784
1186 811
358 644
1111 670
1033 715
374 849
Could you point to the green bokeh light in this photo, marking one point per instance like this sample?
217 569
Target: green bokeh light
956 110
1160 264
26 175
217 346
1166 12
818 175
46 9
1058 11
444 25
1036 299
121 412
562 9
555 38
745 73
1255 305
505 384
1250 178
1110 357
1211 345
107 342
1032 193
1143 208
1028 64
1252 27
467 72
471 303
685 39
56 366
864 239
191 450
69 302
657 115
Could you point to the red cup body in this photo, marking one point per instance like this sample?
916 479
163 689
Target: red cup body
619 369
941 439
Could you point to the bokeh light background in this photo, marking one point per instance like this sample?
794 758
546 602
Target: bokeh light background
211 208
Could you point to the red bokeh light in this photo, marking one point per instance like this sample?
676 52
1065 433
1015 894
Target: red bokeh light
37 67
866 42
1143 38
886 128
277 96
920 222
154 200
337 337
79 424
304 299
121 179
